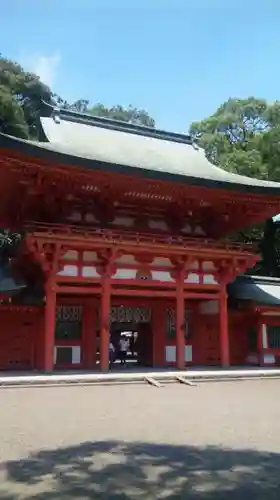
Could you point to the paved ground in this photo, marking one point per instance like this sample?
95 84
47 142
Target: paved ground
214 441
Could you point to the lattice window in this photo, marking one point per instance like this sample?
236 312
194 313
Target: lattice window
136 315
68 322
170 322
273 336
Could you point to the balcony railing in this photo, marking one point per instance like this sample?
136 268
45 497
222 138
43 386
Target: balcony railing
128 236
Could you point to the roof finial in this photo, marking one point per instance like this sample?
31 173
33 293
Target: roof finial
56 114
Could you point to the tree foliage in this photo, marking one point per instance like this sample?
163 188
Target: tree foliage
21 94
243 136
9 243
127 114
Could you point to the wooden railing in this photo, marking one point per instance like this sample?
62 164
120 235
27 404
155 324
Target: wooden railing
125 235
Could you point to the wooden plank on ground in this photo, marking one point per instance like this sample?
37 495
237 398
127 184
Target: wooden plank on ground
184 380
153 382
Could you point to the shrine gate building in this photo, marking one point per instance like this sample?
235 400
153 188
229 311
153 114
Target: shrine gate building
125 228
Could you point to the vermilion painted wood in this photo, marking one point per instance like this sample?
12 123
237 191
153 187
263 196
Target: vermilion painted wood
224 336
27 185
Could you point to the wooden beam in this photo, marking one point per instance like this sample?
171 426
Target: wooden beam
145 292
78 290
162 293
133 242
180 319
153 382
183 380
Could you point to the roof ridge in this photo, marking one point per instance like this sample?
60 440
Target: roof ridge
257 279
118 125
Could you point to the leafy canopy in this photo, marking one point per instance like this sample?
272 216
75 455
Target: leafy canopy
243 136
129 114
21 94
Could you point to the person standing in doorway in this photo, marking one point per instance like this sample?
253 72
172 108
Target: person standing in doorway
111 354
124 346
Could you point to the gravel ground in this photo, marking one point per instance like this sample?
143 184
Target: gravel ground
213 441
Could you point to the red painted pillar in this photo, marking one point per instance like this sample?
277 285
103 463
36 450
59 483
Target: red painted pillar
89 336
49 326
260 341
158 331
180 322
105 325
224 337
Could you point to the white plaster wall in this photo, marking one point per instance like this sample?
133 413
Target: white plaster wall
70 255
90 272
198 231
76 353
125 274
157 224
161 276
126 259
192 278
123 221
264 337
271 314
162 262
209 279
252 359
75 216
208 265
269 359
186 229
194 265
89 217
69 271
170 354
209 307
89 256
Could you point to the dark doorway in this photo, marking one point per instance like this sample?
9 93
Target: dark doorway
140 339
144 345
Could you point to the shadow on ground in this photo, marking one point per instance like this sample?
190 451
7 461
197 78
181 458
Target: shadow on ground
122 471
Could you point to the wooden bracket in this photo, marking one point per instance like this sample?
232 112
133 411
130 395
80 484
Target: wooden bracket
108 257
48 255
230 269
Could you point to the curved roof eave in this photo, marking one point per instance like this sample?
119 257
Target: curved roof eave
132 146
102 156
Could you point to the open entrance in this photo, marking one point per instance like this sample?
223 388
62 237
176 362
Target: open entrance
132 336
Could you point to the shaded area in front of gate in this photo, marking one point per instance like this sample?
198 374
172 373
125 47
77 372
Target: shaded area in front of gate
124 471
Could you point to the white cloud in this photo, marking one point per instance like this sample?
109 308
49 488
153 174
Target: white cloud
46 67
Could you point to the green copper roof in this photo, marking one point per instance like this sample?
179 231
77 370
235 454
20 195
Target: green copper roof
261 290
137 151
97 143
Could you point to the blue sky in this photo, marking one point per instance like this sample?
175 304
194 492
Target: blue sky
179 59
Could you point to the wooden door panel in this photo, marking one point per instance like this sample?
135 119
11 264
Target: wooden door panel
17 341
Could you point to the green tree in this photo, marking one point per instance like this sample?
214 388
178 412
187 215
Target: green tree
12 120
130 114
9 243
21 94
243 136
231 136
